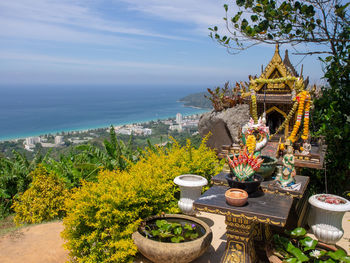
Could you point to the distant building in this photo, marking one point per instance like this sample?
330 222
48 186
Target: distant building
178 118
124 131
29 143
176 128
133 129
59 139
32 141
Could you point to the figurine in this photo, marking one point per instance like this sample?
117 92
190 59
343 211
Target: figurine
286 178
306 148
255 135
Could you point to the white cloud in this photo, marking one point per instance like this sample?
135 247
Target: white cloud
66 20
105 63
40 68
201 13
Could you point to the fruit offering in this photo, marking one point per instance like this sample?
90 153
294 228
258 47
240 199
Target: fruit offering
330 199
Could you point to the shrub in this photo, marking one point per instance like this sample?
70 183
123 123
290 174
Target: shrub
44 199
102 216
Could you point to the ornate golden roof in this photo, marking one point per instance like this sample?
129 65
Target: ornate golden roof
278 69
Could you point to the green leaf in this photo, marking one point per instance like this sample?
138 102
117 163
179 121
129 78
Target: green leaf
178 230
177 239
226 7
188 227
240 2
254 18
298 232
296 252
345 259
337 254
308 243
160 223
291 260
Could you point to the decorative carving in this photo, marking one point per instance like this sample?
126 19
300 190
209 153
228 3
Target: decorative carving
240 233
253 218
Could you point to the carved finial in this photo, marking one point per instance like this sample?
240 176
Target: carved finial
262 69
286 54
277 50
301 71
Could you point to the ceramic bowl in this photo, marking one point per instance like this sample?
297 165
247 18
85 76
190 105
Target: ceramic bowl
236 197
249 186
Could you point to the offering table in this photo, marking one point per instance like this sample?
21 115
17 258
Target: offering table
244 223
300 196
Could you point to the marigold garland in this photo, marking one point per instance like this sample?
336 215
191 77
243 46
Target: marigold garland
275 81
251 143
306 118
301 98
290 115
254 107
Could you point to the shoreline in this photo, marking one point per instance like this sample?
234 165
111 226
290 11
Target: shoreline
87 129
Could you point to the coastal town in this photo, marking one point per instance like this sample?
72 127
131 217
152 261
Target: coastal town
178 124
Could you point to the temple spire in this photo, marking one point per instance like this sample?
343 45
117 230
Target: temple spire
277 49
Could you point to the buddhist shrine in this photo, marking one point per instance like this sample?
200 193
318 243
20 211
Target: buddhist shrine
274 91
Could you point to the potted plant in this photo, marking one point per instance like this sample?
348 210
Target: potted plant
326 214
172 238
296 247
243 172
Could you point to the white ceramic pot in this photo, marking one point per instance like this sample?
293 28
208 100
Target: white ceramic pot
190 187
325 219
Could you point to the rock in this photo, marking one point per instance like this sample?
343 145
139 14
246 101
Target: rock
224 125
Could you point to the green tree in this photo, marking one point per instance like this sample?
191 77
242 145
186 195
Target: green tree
324 23
15 178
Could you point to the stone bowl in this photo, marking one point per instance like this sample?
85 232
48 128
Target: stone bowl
236 197
160 252
267 167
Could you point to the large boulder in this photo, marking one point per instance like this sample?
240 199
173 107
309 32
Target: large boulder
224 125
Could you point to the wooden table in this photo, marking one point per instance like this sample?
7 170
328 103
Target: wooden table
246 223
300 204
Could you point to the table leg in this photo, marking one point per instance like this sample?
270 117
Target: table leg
239 247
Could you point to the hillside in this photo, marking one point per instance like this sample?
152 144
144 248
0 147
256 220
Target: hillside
197 100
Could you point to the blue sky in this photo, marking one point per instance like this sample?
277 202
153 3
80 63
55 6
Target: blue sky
123 42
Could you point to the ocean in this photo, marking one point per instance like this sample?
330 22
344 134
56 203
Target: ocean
34 110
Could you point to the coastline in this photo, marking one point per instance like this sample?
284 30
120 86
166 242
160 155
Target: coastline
92 128
194 107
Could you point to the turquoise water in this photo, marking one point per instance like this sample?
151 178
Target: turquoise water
35 110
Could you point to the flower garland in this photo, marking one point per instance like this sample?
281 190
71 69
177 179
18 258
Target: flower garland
273 81
290 115
251 143
306 118
301 97
254 107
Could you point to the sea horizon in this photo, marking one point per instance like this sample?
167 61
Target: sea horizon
35 111
82 129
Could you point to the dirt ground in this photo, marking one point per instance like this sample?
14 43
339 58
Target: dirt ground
35 244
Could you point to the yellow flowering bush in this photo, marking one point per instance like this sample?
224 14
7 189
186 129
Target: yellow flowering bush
43 200
102 216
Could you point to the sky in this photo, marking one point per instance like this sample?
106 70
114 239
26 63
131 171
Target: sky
133 42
